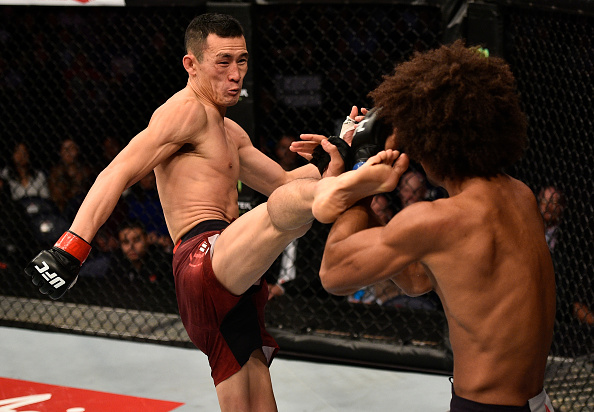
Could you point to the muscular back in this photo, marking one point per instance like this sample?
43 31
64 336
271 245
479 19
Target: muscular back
494 275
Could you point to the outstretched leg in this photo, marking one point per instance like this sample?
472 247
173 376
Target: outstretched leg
249 246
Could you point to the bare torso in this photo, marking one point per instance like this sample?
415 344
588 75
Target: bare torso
494 275
199 181
483 251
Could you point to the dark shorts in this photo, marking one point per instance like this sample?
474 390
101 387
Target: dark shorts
226 327
540 403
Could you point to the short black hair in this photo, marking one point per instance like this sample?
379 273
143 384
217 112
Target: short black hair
201 26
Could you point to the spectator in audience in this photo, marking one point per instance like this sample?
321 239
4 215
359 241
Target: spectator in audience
29 190
412 188
382 206
284 156
23 180
69 179
143 205
141 272
110 147
583 313
552 204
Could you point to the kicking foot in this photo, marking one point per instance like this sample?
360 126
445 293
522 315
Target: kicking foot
380 174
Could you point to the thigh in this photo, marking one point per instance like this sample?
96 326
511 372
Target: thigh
248 247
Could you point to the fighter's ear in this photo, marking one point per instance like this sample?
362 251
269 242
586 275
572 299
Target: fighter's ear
189 62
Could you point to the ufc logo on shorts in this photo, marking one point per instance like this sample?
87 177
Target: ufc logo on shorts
53 279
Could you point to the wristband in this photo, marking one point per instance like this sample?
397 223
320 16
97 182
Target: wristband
72 243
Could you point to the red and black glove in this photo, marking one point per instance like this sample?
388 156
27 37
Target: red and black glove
56 270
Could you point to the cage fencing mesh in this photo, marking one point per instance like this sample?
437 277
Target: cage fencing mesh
551 56
78 83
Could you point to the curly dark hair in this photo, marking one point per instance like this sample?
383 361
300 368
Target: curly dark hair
455 110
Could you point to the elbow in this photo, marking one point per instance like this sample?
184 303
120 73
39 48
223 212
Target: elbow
333 284
328 282
325 280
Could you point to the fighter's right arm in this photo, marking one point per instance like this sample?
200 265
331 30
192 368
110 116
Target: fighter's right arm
172 125
56 270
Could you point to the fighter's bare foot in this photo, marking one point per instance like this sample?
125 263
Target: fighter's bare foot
380 174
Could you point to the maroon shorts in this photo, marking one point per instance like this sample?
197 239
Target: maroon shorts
226 327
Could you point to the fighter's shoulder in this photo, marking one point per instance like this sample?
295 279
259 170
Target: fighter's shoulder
184 104
437 216
236 132
183 114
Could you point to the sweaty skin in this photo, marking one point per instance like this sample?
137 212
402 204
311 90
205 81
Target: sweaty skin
484 253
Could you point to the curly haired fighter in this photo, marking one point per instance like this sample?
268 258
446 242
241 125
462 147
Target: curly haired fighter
482 249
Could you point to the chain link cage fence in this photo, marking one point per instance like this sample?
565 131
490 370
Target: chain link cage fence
552 56
79 82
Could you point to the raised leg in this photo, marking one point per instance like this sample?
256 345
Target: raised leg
249 246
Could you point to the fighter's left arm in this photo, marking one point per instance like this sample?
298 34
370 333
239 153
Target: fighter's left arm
259 171
356 256
263 174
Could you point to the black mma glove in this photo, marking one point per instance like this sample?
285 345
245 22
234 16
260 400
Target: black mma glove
369 138
321 159
56 270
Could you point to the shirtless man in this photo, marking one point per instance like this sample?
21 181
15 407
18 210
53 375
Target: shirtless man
198 156
482 249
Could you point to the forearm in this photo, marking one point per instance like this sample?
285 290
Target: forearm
339 270
97 206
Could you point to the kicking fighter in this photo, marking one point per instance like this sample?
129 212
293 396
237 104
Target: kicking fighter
482 249
198 156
